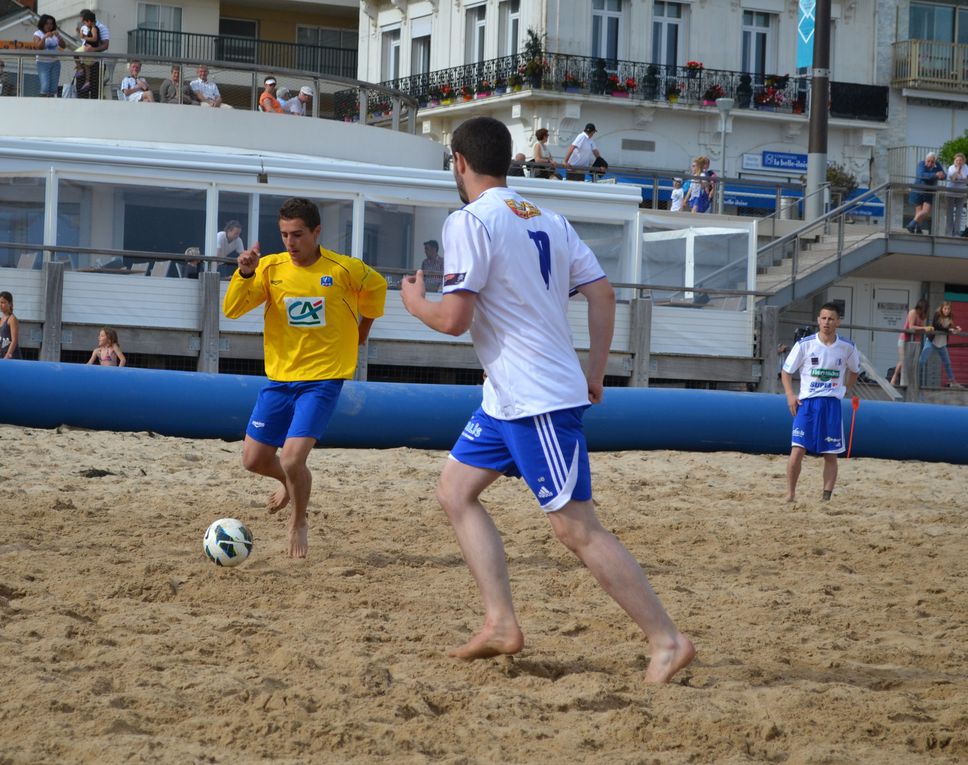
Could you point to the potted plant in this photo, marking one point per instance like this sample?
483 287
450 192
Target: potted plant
433 95
673 89
570 82
711 93
500 85
515 81
693 68
466 92
769 98
446 95
744 91
534 65
483 89
650 83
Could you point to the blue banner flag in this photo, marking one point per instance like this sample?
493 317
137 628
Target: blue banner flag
806 22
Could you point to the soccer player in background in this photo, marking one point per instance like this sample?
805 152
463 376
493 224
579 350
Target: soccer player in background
828 366
509 269
319 307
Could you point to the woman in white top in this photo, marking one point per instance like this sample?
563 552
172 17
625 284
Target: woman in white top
957 180
48 67
544 163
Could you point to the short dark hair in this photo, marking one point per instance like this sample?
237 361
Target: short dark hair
541 133
42 21
485 144
88 15
830 307
302 209
432 243
232 224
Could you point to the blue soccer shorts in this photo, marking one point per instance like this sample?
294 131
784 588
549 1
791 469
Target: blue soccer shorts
293 410
819 425
547 450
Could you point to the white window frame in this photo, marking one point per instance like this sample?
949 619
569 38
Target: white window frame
476 33
662 24
160 24
390 54
768 33
603 13
509 27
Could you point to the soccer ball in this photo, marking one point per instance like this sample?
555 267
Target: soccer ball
227 542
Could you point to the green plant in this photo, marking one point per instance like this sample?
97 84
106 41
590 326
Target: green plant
841 179
959 145
673 90
534 46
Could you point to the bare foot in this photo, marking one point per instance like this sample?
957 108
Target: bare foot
668 660
299 540
791 498
490 641
277 500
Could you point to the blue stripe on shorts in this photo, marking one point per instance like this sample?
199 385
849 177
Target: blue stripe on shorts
819 425
548 451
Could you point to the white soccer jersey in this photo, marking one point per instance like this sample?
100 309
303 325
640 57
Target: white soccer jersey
523 263
823 368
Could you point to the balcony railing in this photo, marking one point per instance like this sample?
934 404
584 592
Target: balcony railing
264 54
638 81
931 65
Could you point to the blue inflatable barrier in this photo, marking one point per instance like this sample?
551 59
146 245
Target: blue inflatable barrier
388 415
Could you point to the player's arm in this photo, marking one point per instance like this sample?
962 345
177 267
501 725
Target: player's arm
451 315
245 290
793 403
601 325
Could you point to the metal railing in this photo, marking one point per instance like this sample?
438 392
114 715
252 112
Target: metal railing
266 54
239 84
930 64
638 81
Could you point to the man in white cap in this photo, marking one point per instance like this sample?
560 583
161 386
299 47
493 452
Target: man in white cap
297 105
581 154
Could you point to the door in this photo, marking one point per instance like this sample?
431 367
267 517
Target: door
890 307
844 298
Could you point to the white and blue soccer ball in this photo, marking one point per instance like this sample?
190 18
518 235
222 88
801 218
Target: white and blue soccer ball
227 542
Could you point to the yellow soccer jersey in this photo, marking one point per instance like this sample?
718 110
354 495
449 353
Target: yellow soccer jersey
311 314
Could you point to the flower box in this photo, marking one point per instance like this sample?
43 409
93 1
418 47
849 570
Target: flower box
620 94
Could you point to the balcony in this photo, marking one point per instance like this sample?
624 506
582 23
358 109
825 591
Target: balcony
639 82
263 54
930 65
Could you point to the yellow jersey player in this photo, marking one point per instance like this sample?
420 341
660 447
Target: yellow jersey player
319 307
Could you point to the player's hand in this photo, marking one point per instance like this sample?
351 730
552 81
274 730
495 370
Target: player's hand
412 290
248 260
793 403
596 392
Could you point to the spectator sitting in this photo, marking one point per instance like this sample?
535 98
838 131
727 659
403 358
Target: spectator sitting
297 105
190 268
229 245
517 165
206 92
174 91
432 266
267 100
134 86
108 352
7 85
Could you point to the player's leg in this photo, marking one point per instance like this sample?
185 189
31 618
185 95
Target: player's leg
458 492
265 435
620 575
299 483
794 464
829 474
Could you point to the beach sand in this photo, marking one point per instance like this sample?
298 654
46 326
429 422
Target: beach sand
826 632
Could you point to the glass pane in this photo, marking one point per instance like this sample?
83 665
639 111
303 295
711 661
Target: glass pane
22 221
233 223
596 37
962 26
607 241
612 42
672 45
394 237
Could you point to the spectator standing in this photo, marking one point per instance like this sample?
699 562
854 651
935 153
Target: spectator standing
544 164
8 86
915 324
432 266
267 100
929 172
134 86
206 91
582 153
828 367
47 38
942 325
108 352
958 181
297 105
97 39
228 244
9 329
678 195
174 91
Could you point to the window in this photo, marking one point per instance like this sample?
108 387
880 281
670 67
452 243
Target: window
932 22
165 23
666 28
326 50
509 25
22 221
606 16
420 55
391 55
237 40
476 24
759 50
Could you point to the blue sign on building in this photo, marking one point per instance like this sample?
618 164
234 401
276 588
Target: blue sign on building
779 160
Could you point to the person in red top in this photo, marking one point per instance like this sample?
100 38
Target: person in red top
267 99
916 322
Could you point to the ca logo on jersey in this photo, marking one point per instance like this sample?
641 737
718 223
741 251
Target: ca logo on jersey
522 209
306 311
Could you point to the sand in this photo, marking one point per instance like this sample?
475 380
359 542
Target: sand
826 632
